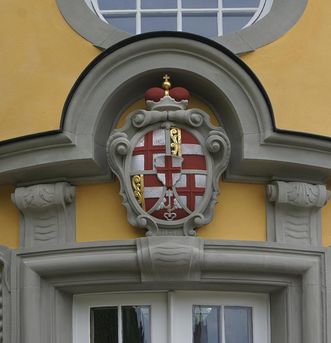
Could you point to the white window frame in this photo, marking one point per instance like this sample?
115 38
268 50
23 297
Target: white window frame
173 308
259 12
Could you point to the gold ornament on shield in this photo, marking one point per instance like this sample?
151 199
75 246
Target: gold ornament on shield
138 189
176 141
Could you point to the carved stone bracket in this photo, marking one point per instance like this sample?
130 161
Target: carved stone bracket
170 258
47 214
294 212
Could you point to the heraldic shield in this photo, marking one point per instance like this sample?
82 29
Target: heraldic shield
169 161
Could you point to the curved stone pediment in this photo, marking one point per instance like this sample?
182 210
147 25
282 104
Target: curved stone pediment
120 76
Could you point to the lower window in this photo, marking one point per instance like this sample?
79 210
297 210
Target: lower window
176 317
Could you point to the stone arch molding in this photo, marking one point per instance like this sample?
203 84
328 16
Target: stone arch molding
122 74
282 17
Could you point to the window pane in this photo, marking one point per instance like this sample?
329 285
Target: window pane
136 324
158 4
234 22
104 324
124 22
158 22
238 324
117 4
199 3
202 24
206 324
241 3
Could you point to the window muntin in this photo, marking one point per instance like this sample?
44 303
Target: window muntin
210 18
120 324
234 316
222 324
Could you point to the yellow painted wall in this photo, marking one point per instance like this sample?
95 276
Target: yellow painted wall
326 221
100 215
42 57
9 218
296 72
239 215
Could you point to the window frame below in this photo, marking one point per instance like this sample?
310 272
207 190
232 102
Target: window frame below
173 307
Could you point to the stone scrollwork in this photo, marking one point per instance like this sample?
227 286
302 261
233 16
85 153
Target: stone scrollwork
48 215
294 214
209 142
142 118
298 194
192 117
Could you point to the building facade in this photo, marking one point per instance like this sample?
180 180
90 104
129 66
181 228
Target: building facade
238 249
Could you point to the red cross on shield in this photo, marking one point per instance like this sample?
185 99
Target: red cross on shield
168 168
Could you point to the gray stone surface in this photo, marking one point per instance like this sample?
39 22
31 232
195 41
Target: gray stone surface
5 293
44 281
79 153
181 255
328 293
281 18
214 144
294 215
47 214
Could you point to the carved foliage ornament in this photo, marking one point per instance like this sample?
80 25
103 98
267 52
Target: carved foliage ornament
169 161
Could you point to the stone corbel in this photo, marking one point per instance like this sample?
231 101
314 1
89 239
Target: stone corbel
170 258
47 214
294 212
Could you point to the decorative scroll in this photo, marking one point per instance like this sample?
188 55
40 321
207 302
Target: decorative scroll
169 175
298 194
138 189
176 140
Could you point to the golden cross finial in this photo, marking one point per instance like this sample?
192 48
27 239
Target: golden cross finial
166 77
166 84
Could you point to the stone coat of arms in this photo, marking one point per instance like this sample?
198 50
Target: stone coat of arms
169 160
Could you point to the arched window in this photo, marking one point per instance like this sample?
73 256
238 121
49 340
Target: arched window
239 25
210 18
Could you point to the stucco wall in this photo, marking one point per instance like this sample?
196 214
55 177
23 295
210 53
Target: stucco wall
296 72
9 219
42 57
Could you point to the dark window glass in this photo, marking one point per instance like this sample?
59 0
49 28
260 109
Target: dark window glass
204 24
199 3
241 3
158 22
154 4
206 324
117 4
124 22
234 22
238 324
104 325
136 323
